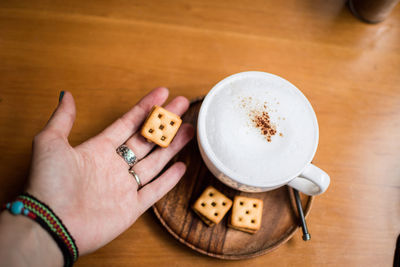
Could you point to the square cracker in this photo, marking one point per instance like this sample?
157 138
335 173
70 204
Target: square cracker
161 126
212 206
246 214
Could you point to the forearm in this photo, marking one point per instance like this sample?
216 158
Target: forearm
24 242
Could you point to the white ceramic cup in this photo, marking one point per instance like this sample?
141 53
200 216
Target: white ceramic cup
306 177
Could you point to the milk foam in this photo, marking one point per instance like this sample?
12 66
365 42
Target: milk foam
240 147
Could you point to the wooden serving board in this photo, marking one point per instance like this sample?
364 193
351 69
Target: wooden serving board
174 211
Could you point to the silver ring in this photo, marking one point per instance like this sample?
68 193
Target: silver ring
134 174
127 154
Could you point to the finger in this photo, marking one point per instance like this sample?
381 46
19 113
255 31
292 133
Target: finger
150 166
119 131
63 117
155 190
138 143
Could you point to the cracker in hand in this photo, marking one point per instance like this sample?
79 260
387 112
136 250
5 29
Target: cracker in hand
246 214
212 206
161 126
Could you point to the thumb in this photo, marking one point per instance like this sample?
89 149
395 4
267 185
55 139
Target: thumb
63 117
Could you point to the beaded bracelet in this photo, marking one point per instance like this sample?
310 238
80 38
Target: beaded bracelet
31 207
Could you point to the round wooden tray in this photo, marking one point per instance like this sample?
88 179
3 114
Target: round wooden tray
279 222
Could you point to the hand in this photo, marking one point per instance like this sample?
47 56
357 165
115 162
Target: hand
89 186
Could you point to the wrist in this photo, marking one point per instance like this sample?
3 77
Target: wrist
25 243
29 206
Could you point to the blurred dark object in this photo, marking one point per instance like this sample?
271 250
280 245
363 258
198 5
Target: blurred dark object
372 11
396 261
306 234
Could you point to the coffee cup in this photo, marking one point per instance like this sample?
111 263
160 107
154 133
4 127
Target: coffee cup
257 132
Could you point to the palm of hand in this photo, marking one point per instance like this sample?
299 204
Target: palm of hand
89 186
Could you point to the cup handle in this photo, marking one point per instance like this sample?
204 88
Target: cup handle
312 181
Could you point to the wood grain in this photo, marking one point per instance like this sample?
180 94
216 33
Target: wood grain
110 53
279 221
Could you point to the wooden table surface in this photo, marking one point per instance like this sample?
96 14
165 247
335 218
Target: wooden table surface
111 53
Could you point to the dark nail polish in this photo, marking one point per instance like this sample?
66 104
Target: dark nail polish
61 96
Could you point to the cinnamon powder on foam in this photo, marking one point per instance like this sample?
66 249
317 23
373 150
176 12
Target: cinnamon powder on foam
261 119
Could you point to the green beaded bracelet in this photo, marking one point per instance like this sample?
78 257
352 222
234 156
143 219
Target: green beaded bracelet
31 207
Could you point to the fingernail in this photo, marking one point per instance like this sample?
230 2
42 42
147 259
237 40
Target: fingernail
61 96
